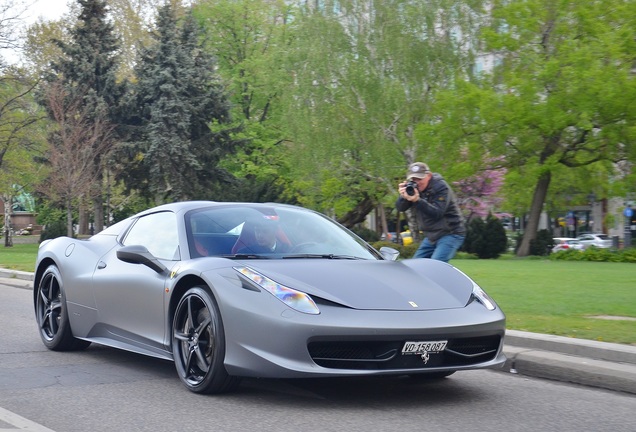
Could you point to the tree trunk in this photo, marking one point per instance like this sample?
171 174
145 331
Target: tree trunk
530 232
98 211
8 238
358 214
69 218
383 223
414 226
82 223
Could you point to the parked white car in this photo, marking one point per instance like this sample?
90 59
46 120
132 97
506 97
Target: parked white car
566 243
597 240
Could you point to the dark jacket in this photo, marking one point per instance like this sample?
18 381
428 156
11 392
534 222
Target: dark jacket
437 211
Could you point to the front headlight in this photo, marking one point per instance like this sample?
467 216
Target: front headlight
480 294
482 297
294 299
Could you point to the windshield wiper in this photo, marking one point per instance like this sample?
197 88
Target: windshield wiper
247 256
322 256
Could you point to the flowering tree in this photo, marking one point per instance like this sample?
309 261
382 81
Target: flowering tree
478 194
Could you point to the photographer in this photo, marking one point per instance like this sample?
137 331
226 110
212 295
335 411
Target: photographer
437 212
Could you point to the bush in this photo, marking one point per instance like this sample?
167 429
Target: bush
405 251
474 230
595 254
366 233
53 230
543 244
485 239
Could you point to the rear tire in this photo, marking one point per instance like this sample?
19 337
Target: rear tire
198 344
51 313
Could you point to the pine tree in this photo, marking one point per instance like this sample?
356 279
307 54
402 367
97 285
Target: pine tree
177 97
88 72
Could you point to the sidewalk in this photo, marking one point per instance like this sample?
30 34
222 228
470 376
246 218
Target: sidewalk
596 364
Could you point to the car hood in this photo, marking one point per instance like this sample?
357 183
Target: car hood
420 284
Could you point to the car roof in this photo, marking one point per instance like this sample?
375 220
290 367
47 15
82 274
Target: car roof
185 206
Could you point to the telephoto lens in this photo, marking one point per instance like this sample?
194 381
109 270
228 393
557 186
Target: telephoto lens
411 187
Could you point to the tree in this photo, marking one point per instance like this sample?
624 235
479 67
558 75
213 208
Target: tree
176 118
40 48
88 70
364 74
10 17
133 26
81 136
19 140
479 194
250 40
561 96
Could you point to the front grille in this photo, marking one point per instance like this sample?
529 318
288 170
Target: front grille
387 355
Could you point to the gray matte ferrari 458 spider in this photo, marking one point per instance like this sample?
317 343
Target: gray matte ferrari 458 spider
231 290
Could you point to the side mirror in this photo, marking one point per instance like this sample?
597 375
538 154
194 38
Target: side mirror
137 254
388 253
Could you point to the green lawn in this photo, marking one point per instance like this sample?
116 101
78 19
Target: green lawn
19 257
555 297
563 298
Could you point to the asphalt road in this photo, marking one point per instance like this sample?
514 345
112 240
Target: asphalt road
103 389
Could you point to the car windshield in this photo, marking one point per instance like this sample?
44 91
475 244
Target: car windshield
260 231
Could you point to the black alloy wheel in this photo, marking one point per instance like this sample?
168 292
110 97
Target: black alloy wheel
52 315
198 344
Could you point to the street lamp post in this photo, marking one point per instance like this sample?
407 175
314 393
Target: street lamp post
628 213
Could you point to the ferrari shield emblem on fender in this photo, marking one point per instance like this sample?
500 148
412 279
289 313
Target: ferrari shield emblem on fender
174 272
412 303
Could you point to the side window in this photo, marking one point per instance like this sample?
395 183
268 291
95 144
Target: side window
158 233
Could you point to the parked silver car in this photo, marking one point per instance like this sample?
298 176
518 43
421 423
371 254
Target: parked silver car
598 240
566 243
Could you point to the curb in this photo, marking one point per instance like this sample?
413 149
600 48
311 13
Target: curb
18 279
614 376
16 274
603 365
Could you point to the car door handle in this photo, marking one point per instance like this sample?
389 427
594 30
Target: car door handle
101 265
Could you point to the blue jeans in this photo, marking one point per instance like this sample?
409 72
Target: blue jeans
442 250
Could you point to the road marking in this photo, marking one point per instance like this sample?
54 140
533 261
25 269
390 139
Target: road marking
19 423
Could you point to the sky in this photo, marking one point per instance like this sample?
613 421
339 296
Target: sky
47 9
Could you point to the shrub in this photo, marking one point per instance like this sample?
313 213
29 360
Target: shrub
486 239
405 251
596 254
53 230
543 244
474 230
366 233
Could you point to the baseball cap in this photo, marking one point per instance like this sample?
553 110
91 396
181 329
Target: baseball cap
417 170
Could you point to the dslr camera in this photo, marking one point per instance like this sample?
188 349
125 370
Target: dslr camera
411 187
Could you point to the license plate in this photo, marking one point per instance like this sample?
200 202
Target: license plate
422 347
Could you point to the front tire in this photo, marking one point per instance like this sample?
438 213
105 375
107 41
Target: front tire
52 314
198 344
